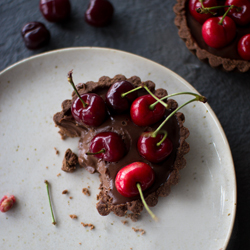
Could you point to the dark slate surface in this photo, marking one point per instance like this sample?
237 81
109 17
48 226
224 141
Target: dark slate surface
146 28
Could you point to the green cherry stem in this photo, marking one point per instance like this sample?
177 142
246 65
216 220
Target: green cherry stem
175 94
164 137
201 1
197 98
158 100
96 153
138 185
223 17
130 91
70 80
51 210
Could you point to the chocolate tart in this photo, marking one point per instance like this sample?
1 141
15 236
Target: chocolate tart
166 172
226 58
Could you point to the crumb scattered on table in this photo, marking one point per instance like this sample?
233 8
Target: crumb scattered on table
73 216
71 197
88 225
133 217
57 151
124 222
65 191
70 161
86 191
47 167
58 174
139 230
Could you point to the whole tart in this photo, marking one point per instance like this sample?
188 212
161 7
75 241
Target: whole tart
166 172
226 58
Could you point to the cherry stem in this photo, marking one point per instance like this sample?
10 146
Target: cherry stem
132 90
138 185
201 1
175 94
164 137
70 80
158 100
223 17
96 153
51 210
197 98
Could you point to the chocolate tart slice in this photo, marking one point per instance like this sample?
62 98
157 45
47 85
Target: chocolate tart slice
166 172
226 58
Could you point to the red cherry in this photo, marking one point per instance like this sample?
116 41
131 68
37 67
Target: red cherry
6 203
35 35
195 4
218 35
99 13
242 16
114 100
244 47
93 114
129 176
55 10
110 145
142 115
148 148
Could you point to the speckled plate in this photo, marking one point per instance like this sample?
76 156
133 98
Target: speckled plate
198 214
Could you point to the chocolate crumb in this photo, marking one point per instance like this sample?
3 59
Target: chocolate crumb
139 230
65 191
73 216
80 243
88 225
124 222
47 167
98 197
70 161
57 151
86 191
71 197
58 174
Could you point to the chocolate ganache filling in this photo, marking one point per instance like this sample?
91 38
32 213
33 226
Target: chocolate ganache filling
166 172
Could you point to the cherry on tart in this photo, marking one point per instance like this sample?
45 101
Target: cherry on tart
118 99
193 5
217 32
240 15
55 10
107 146
88 108
244 47
99 13
154 149
35 35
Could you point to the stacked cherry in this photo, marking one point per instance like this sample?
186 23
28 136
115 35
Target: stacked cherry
155 146
220 30
36 35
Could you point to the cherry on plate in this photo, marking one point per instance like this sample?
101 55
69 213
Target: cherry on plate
244 47
35 35
55 10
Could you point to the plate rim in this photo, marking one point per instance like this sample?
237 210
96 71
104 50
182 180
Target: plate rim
181 79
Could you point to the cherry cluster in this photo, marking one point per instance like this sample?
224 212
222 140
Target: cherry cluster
155 146
219 29
36 35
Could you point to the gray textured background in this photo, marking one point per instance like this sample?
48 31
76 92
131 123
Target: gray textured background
147 28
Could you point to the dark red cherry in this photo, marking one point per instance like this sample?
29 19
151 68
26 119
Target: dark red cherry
93 114
35 35
136 172
114 100
55 10
195 4
141 113
148 148
242 16
244 47
107 146
99 13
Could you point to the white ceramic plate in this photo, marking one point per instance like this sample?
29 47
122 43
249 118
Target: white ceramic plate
198 214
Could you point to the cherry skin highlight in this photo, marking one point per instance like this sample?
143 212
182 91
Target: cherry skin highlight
195 4
244 47
35 35
55 10
112 143
142 115
114 100
136 172
218 35
148 149
99 13
242 16
93 114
